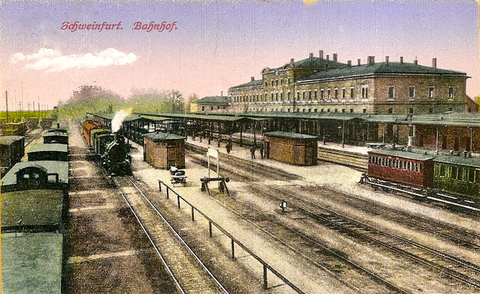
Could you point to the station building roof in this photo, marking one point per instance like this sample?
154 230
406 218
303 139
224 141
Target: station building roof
378 68
291 135
51 166
311 62
9 140
160 137
438 119
110 116
212 100
154 118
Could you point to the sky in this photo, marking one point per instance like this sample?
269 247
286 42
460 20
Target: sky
49 49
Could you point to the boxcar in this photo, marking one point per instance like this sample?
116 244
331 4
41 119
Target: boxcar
402 167
101 142
14 129
55 137
46 123
13 149
52 151
88 126
34 175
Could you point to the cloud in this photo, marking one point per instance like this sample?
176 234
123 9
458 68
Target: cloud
53 61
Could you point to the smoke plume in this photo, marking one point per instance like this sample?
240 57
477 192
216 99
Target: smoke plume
119 118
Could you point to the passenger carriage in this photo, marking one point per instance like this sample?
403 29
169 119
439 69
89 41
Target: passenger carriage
402 167
458 175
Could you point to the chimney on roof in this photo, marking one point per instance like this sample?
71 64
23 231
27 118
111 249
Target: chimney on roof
310 56
291 60
349 62
387 59
415 61
359 61
335 57
401 59
328 57
371 60
434 62
221 93
253 79
320 54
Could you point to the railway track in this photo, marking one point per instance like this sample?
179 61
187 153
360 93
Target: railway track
450 233
456 202
457 269
185 267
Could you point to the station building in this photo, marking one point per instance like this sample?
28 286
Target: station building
321 85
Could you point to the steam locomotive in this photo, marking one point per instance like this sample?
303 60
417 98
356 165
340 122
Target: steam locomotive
109 147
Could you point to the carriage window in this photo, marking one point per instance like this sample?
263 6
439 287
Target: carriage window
471 175
454 174
443 170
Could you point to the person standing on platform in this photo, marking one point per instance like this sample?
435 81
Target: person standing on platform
252 151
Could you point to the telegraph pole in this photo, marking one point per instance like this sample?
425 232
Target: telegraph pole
6 103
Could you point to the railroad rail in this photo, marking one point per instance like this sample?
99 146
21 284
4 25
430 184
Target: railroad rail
438 197
456 268
212 223
185 267
452 266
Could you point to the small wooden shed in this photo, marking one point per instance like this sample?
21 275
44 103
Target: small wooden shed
163 150
292 148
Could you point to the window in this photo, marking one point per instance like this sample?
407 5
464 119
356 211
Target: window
410 110
391 92
310 95
454 174
343 93
365 92
322 94
351 110
315 95
364 110
431 92
390 110
351 93
430 110
328 94
450 92
336 93
411 92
